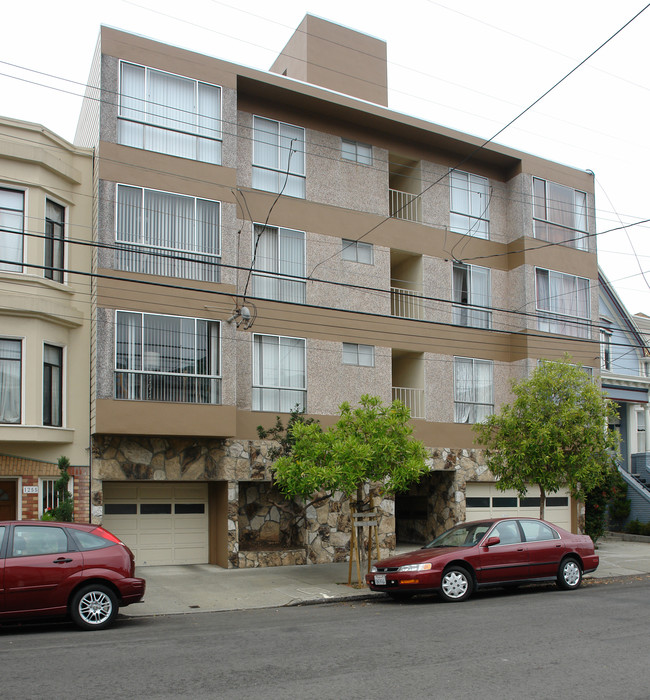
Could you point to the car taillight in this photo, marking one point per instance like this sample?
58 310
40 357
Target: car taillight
105 534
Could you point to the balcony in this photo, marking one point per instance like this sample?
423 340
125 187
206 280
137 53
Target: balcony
168 388
413 399
405 303
405 205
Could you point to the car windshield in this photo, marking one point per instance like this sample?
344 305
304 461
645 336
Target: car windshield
465 535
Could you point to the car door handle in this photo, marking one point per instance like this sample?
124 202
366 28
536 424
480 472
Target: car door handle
61 560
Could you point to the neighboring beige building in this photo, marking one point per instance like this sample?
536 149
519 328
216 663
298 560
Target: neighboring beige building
46 203
264 241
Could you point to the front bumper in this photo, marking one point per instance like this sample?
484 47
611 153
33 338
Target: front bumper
404 581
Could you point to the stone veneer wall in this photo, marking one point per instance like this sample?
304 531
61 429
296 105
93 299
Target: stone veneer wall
260 533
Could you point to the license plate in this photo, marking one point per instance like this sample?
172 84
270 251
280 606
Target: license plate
380 579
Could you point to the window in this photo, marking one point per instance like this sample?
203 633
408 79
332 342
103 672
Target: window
12 209
640 431
561 299
52 385
471 288
357 251
168 234
279 380
559 213
508 532
358 152
166 358
10 380
54 251
169 114
278 258
33 540
278 157
537 532
470 204
49 496
605 349
473 390
361 355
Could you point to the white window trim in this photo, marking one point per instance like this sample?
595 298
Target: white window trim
23 360
302 175
356 145
53 479
25 248
64 393
279 275
580 242
158 372
173 194
348 244
266 386
485 214
66 223
357 363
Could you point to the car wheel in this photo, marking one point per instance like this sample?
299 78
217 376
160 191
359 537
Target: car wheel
456 585
570 575
94 607
401 595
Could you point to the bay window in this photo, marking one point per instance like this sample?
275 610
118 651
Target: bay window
562 300
52 385
279 376
169 114
559 214
167 234
278 157
11 356
12 213
473 390
54 231
472 295
278 258
469 204
166 358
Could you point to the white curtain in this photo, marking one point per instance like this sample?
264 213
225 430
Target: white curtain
11 230
463 392
473 390
279 251
278 157
278 373
10 364
172 105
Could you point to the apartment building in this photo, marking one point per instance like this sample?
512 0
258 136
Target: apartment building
45 218
282 238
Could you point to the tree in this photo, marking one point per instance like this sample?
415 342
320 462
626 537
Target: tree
606 504
555 433
369 443
63 511
283 435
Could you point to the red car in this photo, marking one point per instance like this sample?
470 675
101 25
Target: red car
483 553
65 569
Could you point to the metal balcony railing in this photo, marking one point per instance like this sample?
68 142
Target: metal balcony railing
173 388
405 303
413 399
405 205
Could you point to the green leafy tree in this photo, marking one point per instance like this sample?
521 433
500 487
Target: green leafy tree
554 434
606 504
283 435
63 511
371 442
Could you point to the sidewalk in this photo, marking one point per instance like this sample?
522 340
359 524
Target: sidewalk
206 588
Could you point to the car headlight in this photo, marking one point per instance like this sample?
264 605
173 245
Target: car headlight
416 567
373 569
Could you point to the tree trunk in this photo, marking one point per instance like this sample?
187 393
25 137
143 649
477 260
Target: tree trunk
542 501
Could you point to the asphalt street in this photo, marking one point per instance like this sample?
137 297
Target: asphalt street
537 642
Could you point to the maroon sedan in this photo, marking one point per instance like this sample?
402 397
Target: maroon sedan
500 552
65 569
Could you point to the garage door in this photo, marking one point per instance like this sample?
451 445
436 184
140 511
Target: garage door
162 523
484 500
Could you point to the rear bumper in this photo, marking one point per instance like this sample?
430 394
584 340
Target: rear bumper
590 563
132 590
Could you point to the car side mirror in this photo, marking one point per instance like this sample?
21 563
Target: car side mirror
492 541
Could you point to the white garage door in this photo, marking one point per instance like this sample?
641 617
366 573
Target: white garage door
163 523
484 500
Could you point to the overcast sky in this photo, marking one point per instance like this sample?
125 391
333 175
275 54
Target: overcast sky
472 65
